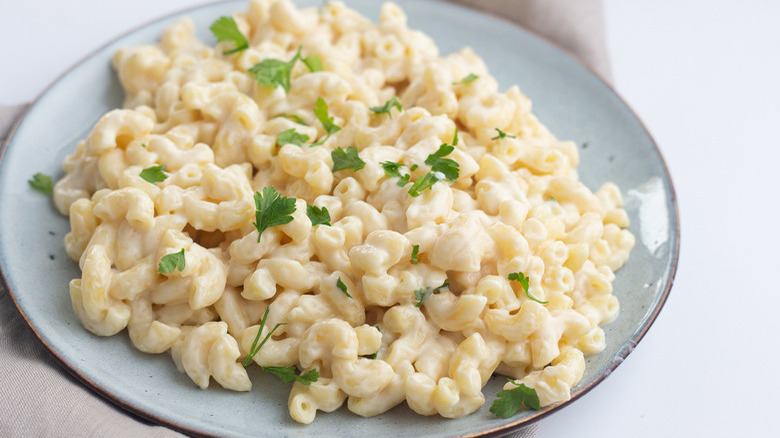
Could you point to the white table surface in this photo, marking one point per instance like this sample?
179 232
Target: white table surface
705 79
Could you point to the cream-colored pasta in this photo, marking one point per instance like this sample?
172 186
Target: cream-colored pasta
398 297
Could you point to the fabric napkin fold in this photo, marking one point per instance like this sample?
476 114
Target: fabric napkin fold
39 398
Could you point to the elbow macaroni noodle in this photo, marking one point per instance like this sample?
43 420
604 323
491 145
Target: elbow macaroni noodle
516 206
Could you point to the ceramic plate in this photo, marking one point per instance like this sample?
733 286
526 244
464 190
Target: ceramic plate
568 98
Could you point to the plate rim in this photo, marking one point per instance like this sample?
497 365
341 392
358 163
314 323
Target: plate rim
496 431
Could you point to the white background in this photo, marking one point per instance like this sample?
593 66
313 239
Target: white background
705 79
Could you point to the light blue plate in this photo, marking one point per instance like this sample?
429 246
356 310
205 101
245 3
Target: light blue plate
567 97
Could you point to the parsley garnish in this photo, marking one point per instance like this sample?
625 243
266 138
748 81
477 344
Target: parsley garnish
172 262
321 111
553 198
441 168
393 102
414 167
502 134
42 183
255 348
313 62
290 374
272 209
422 294
448 167
154 174
392 169
509 401
523 280
370 356
291 136
318 216
415 250
274 72
467 80
293 117
346 159
425 182
143 145
343 287
226 29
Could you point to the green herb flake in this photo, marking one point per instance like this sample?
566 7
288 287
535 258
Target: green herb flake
154 174
553 199
448 167
392 103
422 294
172 262
510 401
393 169
523 280
143 145
415 250
255 347
502 134
423 183
318 216
291 136
313 62
467 80
343 287
455 137
346 159
321 111
42 183
226 29
370 356
293 117
290 374
414 167
272 209
275 72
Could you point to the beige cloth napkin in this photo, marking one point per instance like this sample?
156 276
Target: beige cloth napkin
38 398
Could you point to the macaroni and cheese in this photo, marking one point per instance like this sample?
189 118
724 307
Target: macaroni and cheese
458 241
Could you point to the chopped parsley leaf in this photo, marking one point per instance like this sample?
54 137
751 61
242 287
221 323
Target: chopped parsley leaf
172 262
502 134
509 401
422 183
346 159
467 80
392 169
415 250
392 103
321 111
313 62
343 287
447 166
255 347
290 374
293 117
291 136
272 209
422 294
318 216
42 183
275 72
226 29
154 174
523 280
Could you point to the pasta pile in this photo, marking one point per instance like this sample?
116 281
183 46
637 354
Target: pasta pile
505 268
